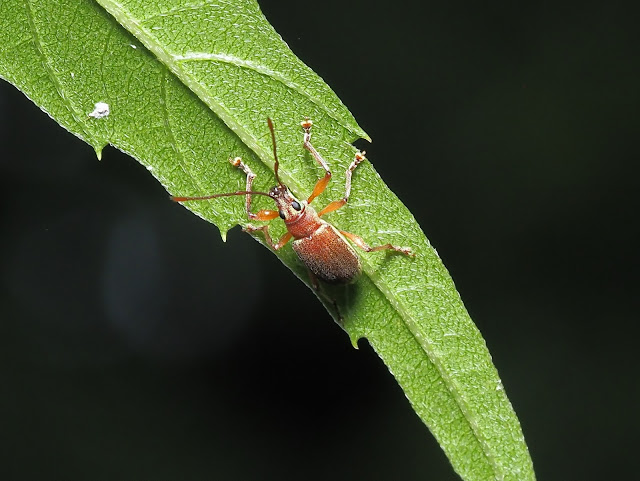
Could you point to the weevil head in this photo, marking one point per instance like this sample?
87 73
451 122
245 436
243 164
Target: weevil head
289 207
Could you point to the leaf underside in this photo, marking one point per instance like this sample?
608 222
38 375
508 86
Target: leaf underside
190 85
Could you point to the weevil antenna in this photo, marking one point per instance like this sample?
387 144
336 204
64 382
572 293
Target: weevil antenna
275 153
214 196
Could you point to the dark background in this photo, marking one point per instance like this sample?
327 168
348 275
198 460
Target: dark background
135 345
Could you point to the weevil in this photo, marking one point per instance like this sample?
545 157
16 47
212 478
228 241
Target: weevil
321 247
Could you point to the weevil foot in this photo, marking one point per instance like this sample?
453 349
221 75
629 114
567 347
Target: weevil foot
315 283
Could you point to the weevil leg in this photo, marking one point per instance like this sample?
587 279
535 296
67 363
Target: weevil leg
316 287
265 214
321 185
267 237
357 240
237 162
336 204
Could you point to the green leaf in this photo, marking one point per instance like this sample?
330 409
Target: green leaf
190 85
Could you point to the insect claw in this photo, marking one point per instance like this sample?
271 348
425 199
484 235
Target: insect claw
406 251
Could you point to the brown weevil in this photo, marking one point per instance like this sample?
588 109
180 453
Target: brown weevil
319 245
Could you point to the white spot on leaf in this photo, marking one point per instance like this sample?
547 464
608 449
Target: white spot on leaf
100 110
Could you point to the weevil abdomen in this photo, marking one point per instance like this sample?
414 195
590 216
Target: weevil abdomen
328 256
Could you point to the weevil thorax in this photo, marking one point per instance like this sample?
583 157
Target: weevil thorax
300 218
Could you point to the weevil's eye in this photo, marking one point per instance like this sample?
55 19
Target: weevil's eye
281 214
296 205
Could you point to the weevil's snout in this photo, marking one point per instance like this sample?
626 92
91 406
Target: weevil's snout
289 207
279 191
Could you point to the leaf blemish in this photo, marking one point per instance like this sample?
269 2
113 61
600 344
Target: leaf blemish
100 110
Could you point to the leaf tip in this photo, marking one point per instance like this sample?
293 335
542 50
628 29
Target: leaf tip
354 338
98 150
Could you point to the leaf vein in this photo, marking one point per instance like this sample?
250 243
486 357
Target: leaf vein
258 68
15 45
169 130
183 8
77 116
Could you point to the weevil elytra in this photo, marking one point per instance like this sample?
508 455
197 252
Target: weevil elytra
319 245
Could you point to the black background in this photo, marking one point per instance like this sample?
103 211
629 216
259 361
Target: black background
134 344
